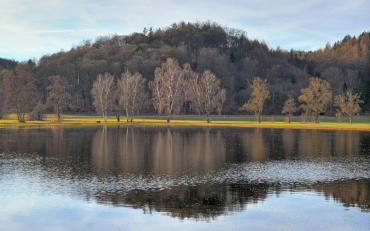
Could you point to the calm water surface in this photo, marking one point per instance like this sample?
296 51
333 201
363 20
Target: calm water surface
141 178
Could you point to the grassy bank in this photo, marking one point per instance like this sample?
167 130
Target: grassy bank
331 123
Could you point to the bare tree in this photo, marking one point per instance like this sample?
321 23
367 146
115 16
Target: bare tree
168 88
289 108
306 112
2 74
339 115
37 112
20 92
316 97
260 93
206 93
102 93
116 107
220 103
348 103
192 95
133 96
58 96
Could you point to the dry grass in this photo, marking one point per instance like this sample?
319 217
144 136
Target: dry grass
81 120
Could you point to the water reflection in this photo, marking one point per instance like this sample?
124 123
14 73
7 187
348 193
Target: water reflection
350 192
339 143
254 145
196 173
208 201
174 150
165 151
204 201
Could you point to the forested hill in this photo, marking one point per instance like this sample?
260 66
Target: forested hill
7 64
228 53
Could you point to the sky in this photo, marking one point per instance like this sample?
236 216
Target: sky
33 28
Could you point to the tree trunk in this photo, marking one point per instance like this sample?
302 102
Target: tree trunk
58 113
316 117
19 116
289 118
259 117
168 119
208 120
350 119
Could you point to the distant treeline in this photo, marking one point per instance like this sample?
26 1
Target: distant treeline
7 64
227 53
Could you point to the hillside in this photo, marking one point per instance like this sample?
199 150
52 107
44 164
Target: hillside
7 64
233 57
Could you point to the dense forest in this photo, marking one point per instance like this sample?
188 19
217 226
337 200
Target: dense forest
228 53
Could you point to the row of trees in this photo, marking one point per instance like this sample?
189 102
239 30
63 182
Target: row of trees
22 97
171 88
315 100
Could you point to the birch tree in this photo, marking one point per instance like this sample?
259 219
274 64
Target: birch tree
133 96
116 106
102 93
168 88
207 95
260 93
192 89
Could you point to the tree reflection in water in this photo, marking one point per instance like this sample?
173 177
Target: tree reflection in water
208 201
101 156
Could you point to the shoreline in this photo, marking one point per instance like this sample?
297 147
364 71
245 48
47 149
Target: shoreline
75 122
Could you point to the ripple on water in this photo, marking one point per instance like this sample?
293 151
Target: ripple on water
34 174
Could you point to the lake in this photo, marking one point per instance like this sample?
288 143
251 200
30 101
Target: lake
183 178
